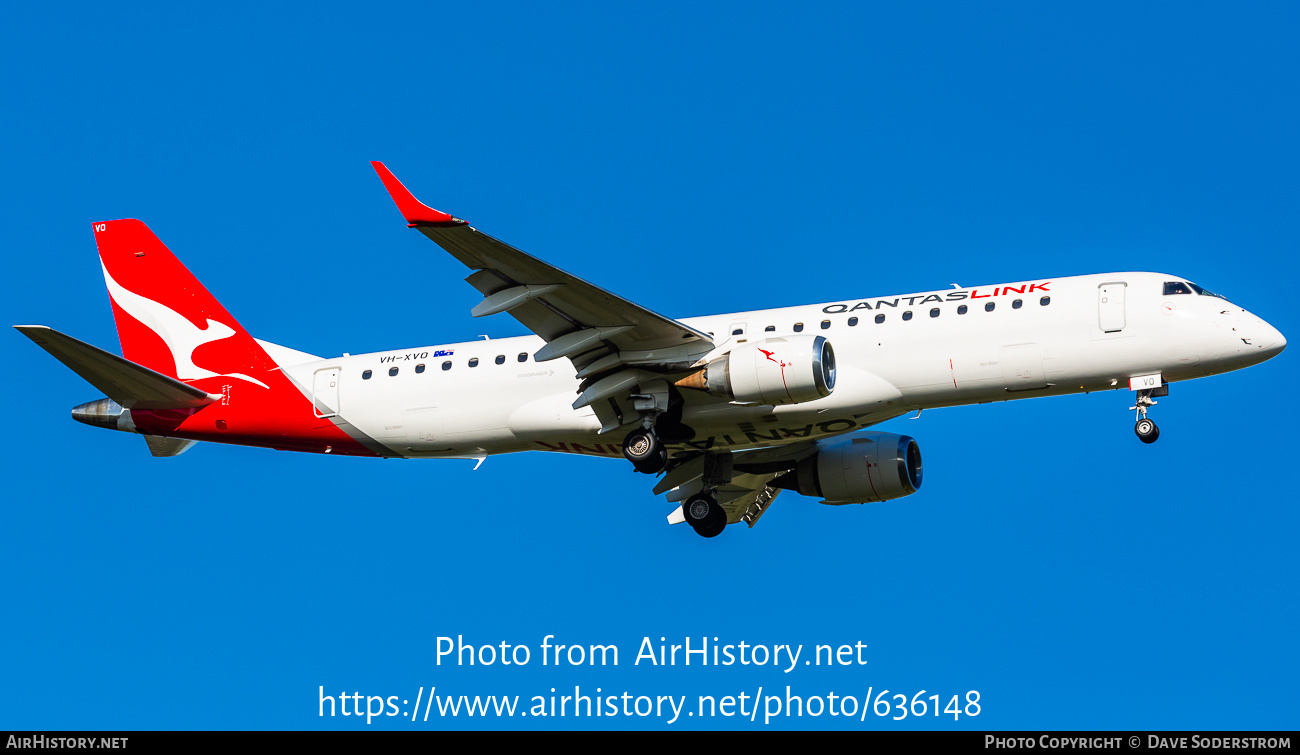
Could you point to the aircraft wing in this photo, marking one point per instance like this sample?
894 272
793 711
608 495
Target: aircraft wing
739 480
578 320
744 498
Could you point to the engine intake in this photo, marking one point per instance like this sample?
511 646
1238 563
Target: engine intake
786 370
863 467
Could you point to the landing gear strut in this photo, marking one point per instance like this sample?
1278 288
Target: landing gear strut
1145 428
704 515
642 446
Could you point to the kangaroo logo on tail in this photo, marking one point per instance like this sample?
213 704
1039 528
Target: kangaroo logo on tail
181 336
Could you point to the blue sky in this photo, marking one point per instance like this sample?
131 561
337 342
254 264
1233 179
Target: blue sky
696 160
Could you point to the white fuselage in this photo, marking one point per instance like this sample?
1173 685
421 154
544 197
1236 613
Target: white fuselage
1067 335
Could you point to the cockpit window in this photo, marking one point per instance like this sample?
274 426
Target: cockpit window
1206 292
1176 287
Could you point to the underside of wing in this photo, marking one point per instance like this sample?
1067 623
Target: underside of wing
744 498
739 482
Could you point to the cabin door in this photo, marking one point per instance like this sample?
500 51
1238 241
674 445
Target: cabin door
325 392
1110 306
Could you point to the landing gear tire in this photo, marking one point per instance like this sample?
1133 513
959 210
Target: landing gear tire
704 515
1146 430
646 452
712 530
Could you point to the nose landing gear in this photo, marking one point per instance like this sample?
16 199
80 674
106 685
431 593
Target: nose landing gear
1146 428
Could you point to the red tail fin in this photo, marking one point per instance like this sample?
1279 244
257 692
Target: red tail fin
166 320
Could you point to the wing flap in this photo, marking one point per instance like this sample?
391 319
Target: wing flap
129 384
740 481
739 497
740 505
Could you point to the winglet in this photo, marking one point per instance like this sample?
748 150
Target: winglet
416 212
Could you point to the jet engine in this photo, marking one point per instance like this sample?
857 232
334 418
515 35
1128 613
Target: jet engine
784 370
863 467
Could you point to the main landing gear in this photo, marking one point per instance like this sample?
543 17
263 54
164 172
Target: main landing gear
642 446
704 515
702 510
1146 428
647 453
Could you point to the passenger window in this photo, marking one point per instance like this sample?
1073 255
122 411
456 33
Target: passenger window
1043 302
853 321
419 368
523 356
738 332
880 319
1016 304
473 362
770 329
1176 287
989 307
826 324
798 327
366 375
446 366
907 315
962 309
501 358
934 312
392 372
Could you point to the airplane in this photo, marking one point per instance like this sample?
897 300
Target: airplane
728 410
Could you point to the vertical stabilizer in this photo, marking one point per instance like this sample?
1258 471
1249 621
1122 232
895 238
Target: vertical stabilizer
166 320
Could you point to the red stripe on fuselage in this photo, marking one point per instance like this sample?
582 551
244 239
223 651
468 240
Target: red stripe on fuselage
278 416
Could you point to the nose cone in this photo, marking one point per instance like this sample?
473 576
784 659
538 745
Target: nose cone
1271 340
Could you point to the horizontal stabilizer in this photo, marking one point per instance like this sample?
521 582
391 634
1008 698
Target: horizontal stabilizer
124 381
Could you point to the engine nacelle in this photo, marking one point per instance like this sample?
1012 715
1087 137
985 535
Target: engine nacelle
863 467
784 370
